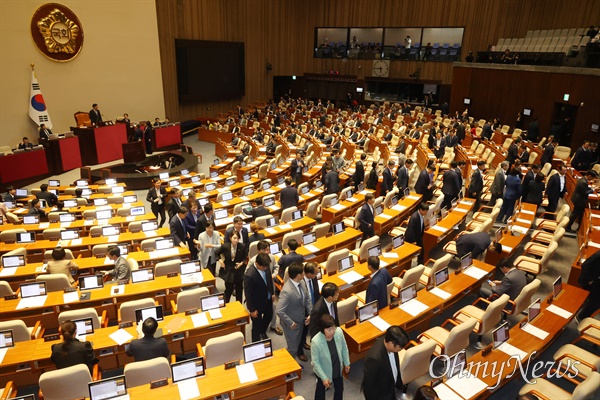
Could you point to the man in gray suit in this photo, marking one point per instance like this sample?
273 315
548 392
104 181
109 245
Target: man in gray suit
497 188
513 281
294 307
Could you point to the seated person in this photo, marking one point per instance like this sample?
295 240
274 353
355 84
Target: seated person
121 271
255 235
512 282
50 197
36 209
71 351
257 209
25 144
148 347
58 264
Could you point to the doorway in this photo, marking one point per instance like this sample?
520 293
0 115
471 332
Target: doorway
563 121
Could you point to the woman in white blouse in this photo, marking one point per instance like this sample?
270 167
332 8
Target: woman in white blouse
207 242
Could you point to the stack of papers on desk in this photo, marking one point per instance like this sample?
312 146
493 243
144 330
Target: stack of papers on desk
62 243
510 350
215 313
523 221
559 311
44 225
164 253
76 242
285 226
150 233
70 297
350 277
199 320
507 249
196 277
386 216
246 373
88 222
188 389
527 212
535 331
121 336
272 231
130 218
9 271
338 207
379 323
594 244
466 386
30 302
113 238
475 272
364 192
352 200
65 224
2 354
414 307
519 229
445 393
440 293
399 207
390 255
461 210
312 248
440 228
413 197
224 203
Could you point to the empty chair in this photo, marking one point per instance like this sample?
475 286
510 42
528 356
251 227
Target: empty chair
148 245
486 319
538 249
569 355
21 251
123 211
10 235
534 266
449 342
222 349
189 299
286 215
262 221
115 200
321 230
546 390
237 209
54 282
101 250
407 277
429 272
21 332
589 330
66 383
523 300
347 309
167 267
327 200
135 226
143 372
72 315
127 309
331 265
6 289
363 251
414 362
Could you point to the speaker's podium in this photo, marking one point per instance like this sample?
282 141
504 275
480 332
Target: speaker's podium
133 152
99 144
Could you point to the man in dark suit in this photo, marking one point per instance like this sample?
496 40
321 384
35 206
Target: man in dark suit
476 184
476 244
290 258
156 195
36 209
359 171
529 176
451 139
580 198
50 197
148 347
450 186
238 226
296 168
512 283
95 115
580 160
382 366
260 294
45 132
437 144
331 181
388 180
402 181
486 131
289 195
380 278
257 209
416 228
497 188
590 280
175 203
548 153
366 217
327 304
178 233
556 188
533 130
513 151
424 185
203 220
523 154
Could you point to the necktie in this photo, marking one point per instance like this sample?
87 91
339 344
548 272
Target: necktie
240 236
331 312
301 294
312 291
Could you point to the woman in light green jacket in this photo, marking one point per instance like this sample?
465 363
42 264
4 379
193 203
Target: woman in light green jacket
329 355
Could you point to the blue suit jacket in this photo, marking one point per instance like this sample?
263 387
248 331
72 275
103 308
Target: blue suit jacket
377 289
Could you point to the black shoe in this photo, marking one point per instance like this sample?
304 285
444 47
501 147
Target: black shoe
277 330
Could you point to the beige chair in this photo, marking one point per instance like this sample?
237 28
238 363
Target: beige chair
189 299
115 200
54 282
253 249
123 212
101 250
449 342
127 309
486 319
21 251
289 236
23 333
589 330
238 208
167 267
10 235
538 249
68 255
352 222
89 214
96 231
72 315
414 362
524 298
407 277
286 215
363 252
544 238
54 217
5 289
262 171
221 194
344 194
347 309
222 349
143 372
546 390
321 230
262 221
550 225
327 200
585 362
331 265
562 152
312 210
66 383
133 264
429 272
534 266
148 245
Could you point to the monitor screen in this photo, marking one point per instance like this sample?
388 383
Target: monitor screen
280 180
432 221
318 184
71 203
203 201
142 275
81 182
32 289
85 326
394 201
333 202
164 244
141 314
9 204
309 238
534 310
110 230
31 219
124 249
378 210
397 241
266 185
13 261
498 234
110 181
53 183
6 339
149 226
131 198
220 213
108 388
304 190
209 187
117 189
374 251
195 179
216 161
22 193
408 293
53 191
467 101
359 90
406 192
275 248
248 191
104 214
257 351
27 237
296 215
345 263
466 261
441 276
66 217
271 222
188 369
361 187
246 177
184 172
135 211
69 234
174 182
214 174
226 196
368 311
500 334
190 267
349 194
457 363
101 202
43 203
163 176
268 201
527 111
338 228
557 287
216 300
186 192
91 282
230 181
444 212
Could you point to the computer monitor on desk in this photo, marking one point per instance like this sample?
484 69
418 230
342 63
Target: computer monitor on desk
6 339
501 334
188 369
108 389
557 287
397 241
368 311
345 263
13 261
141 314
211 302
408 293
374 251
466 261
338 228
91 282
85 326
534 310
142 275
32 289
257 351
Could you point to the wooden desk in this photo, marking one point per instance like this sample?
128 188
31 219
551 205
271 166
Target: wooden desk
588 235
361 337
326 245
345 208
101 144
446 227
392 217
277 232
21 166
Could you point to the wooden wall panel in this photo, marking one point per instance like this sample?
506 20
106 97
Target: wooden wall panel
281 32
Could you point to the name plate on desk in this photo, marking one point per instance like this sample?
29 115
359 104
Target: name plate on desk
126 324
191 311
159 383
351 323
172 274
11 297
232 364
50 338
